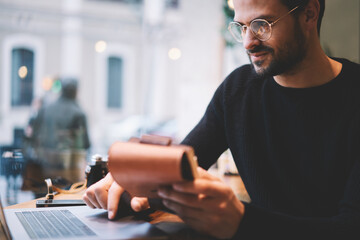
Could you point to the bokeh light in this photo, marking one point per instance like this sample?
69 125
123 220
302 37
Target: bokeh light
174 53
230 4
47 83
56 87
100 46
23 72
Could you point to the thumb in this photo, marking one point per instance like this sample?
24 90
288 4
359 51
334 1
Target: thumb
139 204
206 175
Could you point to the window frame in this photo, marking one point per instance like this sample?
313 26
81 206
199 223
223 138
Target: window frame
128 55
108 87
18 96
30 42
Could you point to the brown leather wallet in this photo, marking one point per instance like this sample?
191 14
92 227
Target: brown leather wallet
141 167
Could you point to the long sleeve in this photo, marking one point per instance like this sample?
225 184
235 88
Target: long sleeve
259 222
208 136
297 151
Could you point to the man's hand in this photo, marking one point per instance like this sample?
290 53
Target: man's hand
206 204
106 194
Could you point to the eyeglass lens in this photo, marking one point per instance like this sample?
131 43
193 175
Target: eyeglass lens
237 31
260 28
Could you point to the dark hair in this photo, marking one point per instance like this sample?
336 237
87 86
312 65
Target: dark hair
302 3
69 87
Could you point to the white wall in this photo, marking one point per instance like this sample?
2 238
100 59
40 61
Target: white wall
340 31
200 70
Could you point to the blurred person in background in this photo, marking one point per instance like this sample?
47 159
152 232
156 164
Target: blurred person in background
59 134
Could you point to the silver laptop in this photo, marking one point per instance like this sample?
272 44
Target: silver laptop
80 222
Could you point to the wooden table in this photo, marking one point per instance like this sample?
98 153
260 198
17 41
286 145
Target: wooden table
165 221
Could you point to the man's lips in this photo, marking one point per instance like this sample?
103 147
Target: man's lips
258 55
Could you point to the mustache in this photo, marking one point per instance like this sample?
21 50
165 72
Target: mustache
260 48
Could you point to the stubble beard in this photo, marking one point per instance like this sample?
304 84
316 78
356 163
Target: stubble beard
285 59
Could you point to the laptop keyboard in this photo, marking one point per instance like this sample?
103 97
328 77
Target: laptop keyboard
53 224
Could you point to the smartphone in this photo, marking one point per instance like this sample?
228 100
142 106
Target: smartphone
59 203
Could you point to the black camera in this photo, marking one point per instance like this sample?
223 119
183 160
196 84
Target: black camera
96 170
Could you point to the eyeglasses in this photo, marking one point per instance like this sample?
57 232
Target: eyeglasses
260 28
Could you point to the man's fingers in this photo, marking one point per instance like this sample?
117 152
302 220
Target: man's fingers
104 183
199 201
106 194
191 200
96 195
184 212
101 196
90 198
139 204
114 195
204 186
87 201
206 175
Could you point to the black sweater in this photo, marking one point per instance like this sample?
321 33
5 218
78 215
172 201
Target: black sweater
297 151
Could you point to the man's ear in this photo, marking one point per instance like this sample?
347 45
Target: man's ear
311 14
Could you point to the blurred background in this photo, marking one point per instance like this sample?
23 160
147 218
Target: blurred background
77 75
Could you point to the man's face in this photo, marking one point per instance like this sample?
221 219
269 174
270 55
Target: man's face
286 47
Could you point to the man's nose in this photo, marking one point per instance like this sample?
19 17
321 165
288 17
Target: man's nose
249 40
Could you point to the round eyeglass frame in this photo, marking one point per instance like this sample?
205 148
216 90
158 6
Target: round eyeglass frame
244 27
